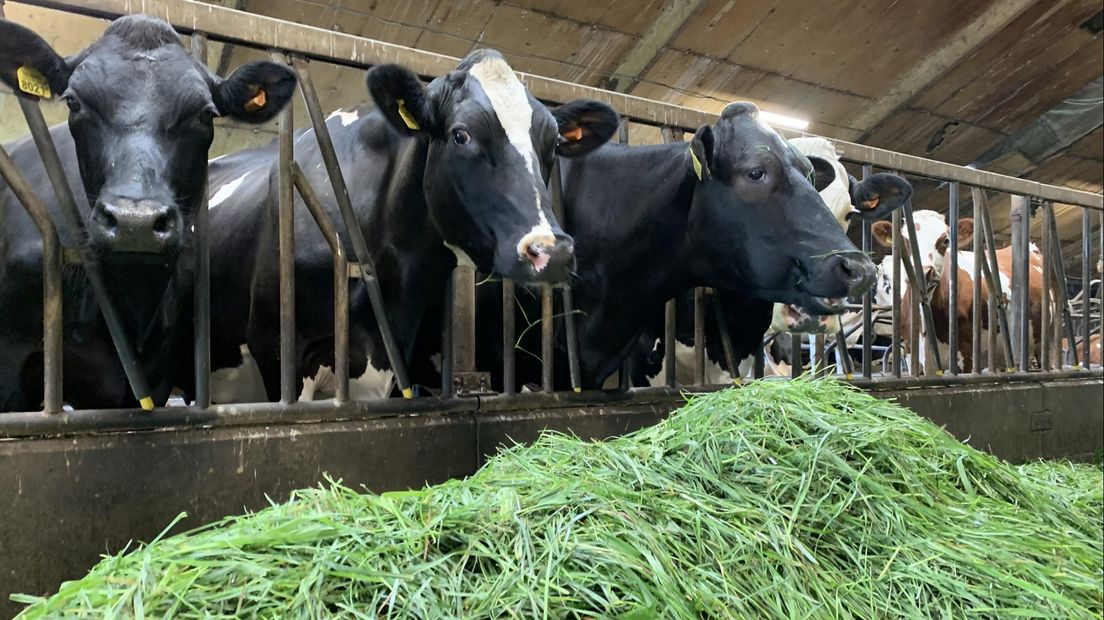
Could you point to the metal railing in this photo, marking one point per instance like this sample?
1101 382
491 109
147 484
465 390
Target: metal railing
303 44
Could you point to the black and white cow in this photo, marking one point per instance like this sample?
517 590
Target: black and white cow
733 207
453 171
135 152
875 196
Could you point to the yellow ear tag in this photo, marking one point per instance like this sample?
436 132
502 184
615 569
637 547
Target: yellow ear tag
33 83
407 117
697 164
258 102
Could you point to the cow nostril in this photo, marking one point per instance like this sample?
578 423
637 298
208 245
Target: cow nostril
107 221
163 224
532 251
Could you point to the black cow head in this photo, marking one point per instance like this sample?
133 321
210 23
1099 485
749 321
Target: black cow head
141 112
491 146
757 202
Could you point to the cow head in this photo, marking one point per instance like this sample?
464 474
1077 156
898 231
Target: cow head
141 113
757 201
491 147
933 237
873 198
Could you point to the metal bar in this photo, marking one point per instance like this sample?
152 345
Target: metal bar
286 235
726 339
896 292
201 299
796 363
548 339
868 299
1059 274
975 279
820 352
915 275
1044 305
669 340
567 299
952 293
991 271
252 30
352 226
759 360
447 389
463 319
40 133
844 354
916 361
341 279
51 283
509 353
623 380
1021 341
699 336
1086 281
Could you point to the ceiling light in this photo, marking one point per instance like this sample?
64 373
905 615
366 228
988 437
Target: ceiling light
784 121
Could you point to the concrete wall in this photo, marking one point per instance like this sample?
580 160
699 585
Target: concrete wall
67 500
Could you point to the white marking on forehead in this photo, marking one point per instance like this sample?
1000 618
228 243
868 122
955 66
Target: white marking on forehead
348 117
515 113
226 191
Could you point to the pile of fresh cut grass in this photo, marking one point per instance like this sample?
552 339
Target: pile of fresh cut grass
801 499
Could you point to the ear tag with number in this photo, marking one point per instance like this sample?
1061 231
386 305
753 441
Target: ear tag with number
33 83
258 102
407 117
573 135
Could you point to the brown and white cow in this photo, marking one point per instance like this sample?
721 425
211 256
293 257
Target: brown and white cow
933 237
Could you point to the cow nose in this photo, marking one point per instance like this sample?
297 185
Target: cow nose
141 226
857 273
550 255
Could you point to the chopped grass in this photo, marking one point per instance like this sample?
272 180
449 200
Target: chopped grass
802 499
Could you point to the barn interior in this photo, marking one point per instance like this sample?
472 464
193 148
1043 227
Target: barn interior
1014 87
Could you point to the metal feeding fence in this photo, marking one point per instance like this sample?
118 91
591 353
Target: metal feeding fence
300 46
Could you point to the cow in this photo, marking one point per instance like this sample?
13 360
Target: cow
736 206
933 237
451 173
141 114
845 197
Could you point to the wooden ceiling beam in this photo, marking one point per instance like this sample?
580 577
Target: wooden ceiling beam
666 25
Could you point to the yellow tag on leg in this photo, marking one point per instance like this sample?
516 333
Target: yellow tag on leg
407 117
33 83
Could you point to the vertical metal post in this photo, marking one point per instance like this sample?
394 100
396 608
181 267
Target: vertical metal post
286 228
447 389
915 335
1059 275
726 339
975 278
509 353
952 237
670 378
202 281
896 293
699 336
40 133
1021 323
1045 315
759 361
463 319
797 365
547 338
623 380
51 283
352 226
844 354
991 271
821 356
868 299
916 279
1086 289
340 281
567 299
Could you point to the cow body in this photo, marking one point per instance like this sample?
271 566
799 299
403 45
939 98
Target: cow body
134 152
455 172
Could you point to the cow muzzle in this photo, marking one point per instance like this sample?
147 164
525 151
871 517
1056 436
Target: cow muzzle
549 256
135 226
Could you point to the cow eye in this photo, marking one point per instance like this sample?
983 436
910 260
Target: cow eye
72 103
756 174
460 136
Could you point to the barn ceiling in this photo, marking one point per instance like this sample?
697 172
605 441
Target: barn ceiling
952 80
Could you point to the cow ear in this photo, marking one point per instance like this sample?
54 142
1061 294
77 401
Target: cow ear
28 65
878 195
584 125
700 155
824 173
256 92
401 97
965 232
883 233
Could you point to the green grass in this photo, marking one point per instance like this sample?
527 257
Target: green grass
801 499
